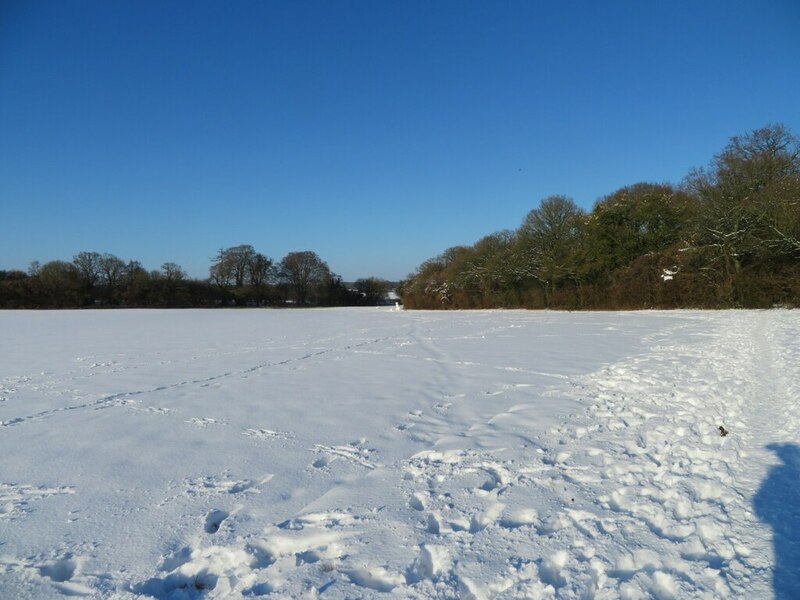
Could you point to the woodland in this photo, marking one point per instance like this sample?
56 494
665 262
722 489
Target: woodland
238 276
727 236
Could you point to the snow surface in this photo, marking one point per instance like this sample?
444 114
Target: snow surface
379 453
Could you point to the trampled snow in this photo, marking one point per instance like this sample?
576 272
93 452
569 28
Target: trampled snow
351 453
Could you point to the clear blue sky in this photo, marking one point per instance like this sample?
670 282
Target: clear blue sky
375 133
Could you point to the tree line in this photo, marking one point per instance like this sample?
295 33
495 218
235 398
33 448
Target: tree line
727 236
238 276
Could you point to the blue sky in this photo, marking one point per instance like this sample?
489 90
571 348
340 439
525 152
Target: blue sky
374 133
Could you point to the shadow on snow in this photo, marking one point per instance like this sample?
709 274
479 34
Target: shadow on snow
777 503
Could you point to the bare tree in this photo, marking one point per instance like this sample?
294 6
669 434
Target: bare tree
133 269
259 269
173 272
111 270
219 271
743 201
758 159
304 272
235 265
88 266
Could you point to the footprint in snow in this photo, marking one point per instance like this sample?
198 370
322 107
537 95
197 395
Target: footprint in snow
61 570
321 462
204 422
214 520
211 486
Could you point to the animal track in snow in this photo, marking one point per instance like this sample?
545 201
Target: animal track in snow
156 410
204 422
211 486
15 498
320 519
355 453
267 434
115 400
6 391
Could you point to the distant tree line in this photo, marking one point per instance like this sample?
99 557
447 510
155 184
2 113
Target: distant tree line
238 276
727 236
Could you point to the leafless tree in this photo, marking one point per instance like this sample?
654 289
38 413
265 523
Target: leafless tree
111 270
302 272
239 265
88 266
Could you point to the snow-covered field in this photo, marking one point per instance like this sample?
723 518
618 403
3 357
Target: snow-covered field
375 453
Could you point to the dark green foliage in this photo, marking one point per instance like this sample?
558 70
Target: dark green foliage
632 222
372 291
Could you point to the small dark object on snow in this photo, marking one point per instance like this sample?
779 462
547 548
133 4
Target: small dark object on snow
722 431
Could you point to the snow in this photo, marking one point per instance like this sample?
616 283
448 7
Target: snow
378 453
669 274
